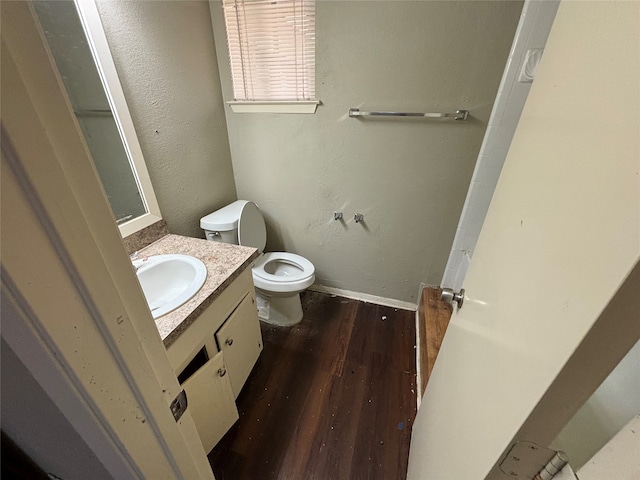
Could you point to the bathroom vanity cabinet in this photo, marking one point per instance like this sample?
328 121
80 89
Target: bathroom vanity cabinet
213 340
213 357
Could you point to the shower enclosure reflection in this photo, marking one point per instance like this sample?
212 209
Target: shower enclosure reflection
92 100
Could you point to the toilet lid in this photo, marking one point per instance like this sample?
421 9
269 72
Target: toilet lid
251 229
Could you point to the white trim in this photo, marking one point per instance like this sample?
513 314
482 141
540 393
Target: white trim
365 297
418 363
82 303
533 29
273 106
92 25
39 347
20 331
136 224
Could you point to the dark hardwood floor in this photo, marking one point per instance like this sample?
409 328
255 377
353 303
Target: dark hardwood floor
331 398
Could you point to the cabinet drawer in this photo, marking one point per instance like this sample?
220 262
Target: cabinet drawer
211 401
240 340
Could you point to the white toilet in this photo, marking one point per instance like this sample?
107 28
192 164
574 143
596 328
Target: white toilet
279 277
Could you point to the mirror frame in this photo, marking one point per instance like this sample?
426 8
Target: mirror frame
94 31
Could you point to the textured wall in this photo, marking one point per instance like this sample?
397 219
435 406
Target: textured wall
165 56
408 178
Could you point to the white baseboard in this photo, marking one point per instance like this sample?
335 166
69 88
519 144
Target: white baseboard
365 297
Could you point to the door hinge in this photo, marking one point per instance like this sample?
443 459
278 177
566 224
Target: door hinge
179 405
553 466
528 461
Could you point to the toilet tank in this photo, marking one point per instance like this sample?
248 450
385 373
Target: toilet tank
222 225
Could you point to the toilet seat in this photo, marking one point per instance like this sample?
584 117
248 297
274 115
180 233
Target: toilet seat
281 281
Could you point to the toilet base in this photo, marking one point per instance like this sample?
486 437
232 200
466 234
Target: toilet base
283 311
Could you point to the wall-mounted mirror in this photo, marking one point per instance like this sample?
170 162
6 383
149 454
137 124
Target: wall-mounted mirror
79 48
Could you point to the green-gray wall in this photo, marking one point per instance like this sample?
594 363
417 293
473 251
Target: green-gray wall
408 178
165 56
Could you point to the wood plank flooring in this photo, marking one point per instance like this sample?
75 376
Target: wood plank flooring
434 316
331 398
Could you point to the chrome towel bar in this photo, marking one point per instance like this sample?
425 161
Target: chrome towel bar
458 115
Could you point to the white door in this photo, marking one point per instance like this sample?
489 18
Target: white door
552 295
75 314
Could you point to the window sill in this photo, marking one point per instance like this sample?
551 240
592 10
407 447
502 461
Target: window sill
274 107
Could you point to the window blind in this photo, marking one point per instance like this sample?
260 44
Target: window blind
271 49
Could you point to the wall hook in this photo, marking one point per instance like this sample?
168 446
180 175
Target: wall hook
337 215
358 217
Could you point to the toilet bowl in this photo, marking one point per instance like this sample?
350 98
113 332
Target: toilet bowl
279 277
282 272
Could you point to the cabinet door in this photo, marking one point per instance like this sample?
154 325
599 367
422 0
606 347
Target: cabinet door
241 342
211 401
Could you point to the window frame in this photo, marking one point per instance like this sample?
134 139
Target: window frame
305 106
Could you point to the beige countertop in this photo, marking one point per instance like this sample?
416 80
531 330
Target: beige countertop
224 263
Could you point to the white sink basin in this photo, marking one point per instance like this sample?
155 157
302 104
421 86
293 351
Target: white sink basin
169 281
